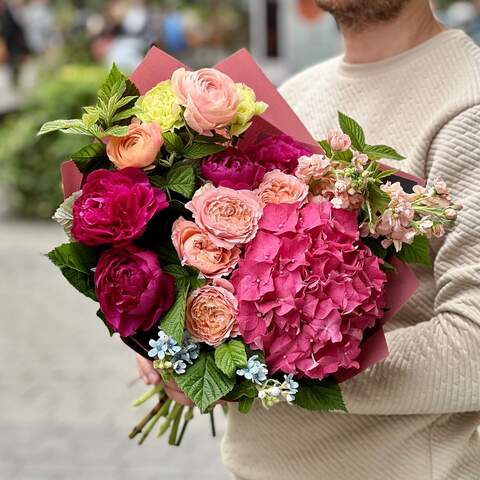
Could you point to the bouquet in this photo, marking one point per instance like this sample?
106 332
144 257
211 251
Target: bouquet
245 259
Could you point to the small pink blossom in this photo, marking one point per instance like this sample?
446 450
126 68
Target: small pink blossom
338 141
314 167
229 217
359 160
279 187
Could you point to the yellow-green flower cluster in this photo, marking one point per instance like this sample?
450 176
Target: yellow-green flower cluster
247 109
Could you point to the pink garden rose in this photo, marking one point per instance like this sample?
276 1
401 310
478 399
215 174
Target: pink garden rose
279 187
132 289
195 248
115 206
211 313
231 168
138 148
308 288
229 217
277 152
210 98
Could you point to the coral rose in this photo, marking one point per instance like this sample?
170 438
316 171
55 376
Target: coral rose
230 217
278 187
210 98
195 248
138 148
115 206
211 313
132 289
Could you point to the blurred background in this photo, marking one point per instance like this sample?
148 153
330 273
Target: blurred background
65 387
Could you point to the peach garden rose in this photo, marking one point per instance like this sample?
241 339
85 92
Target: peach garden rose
278 187
211 313
210 98
138 148
195 248
229 217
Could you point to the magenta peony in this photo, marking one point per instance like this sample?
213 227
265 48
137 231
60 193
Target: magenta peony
230 168
115 206
277 152
132 289
307 289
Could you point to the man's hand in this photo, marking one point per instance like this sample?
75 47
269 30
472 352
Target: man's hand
151 377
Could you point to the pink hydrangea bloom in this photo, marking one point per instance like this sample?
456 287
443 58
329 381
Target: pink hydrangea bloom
308 288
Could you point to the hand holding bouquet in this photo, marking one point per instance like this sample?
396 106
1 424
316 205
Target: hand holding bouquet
245 259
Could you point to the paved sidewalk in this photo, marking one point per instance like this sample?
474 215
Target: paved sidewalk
64 384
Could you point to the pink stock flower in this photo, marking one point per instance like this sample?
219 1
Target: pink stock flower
210 98
314 167
132 289
195 248
279 187
211 313
338 141
138 148
229 217
308 292
115 206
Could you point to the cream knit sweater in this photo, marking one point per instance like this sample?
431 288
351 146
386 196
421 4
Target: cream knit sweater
415 415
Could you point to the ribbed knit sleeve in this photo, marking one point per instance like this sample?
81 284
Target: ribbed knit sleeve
434 366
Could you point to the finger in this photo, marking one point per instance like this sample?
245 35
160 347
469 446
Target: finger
146 371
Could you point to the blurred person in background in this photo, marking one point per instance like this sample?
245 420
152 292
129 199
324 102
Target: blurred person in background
38 19
14 43
415 84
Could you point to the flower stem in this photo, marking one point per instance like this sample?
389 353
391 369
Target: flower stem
153 422
140 426
169 419
188 417
147 395
172 439
212 423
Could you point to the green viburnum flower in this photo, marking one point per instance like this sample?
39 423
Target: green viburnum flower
160 105
248 108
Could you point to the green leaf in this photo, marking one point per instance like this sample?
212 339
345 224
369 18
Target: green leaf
174 320
57 125
125 114
187 275
345 157
320 396
181 180
112 82
245 405
204 383
231 356
197 151
382 151
76 262
418 252
243 389
116 131
91 157
173 142
353 130
326 148
377 198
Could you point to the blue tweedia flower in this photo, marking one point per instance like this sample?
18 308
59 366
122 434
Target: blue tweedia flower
255 370
189 352
179 367
165 345
291 384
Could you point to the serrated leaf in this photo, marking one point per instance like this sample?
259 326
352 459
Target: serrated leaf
76 262
345 157
91 157
185 274
196 151
245 405
116 131
204 383
124 115
173 142
231 356
243 389
376 152
326 148
377 198
174 320
353 130
57 125
115 76
320 396
417 252
181 180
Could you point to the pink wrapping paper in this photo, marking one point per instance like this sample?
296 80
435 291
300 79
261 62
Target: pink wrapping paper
279 118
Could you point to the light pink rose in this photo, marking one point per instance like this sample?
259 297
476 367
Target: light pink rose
338 141
278 187
138 148
314 167
195 248
210 98
229 217
211 313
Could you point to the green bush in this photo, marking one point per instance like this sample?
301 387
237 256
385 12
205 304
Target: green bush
30 164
